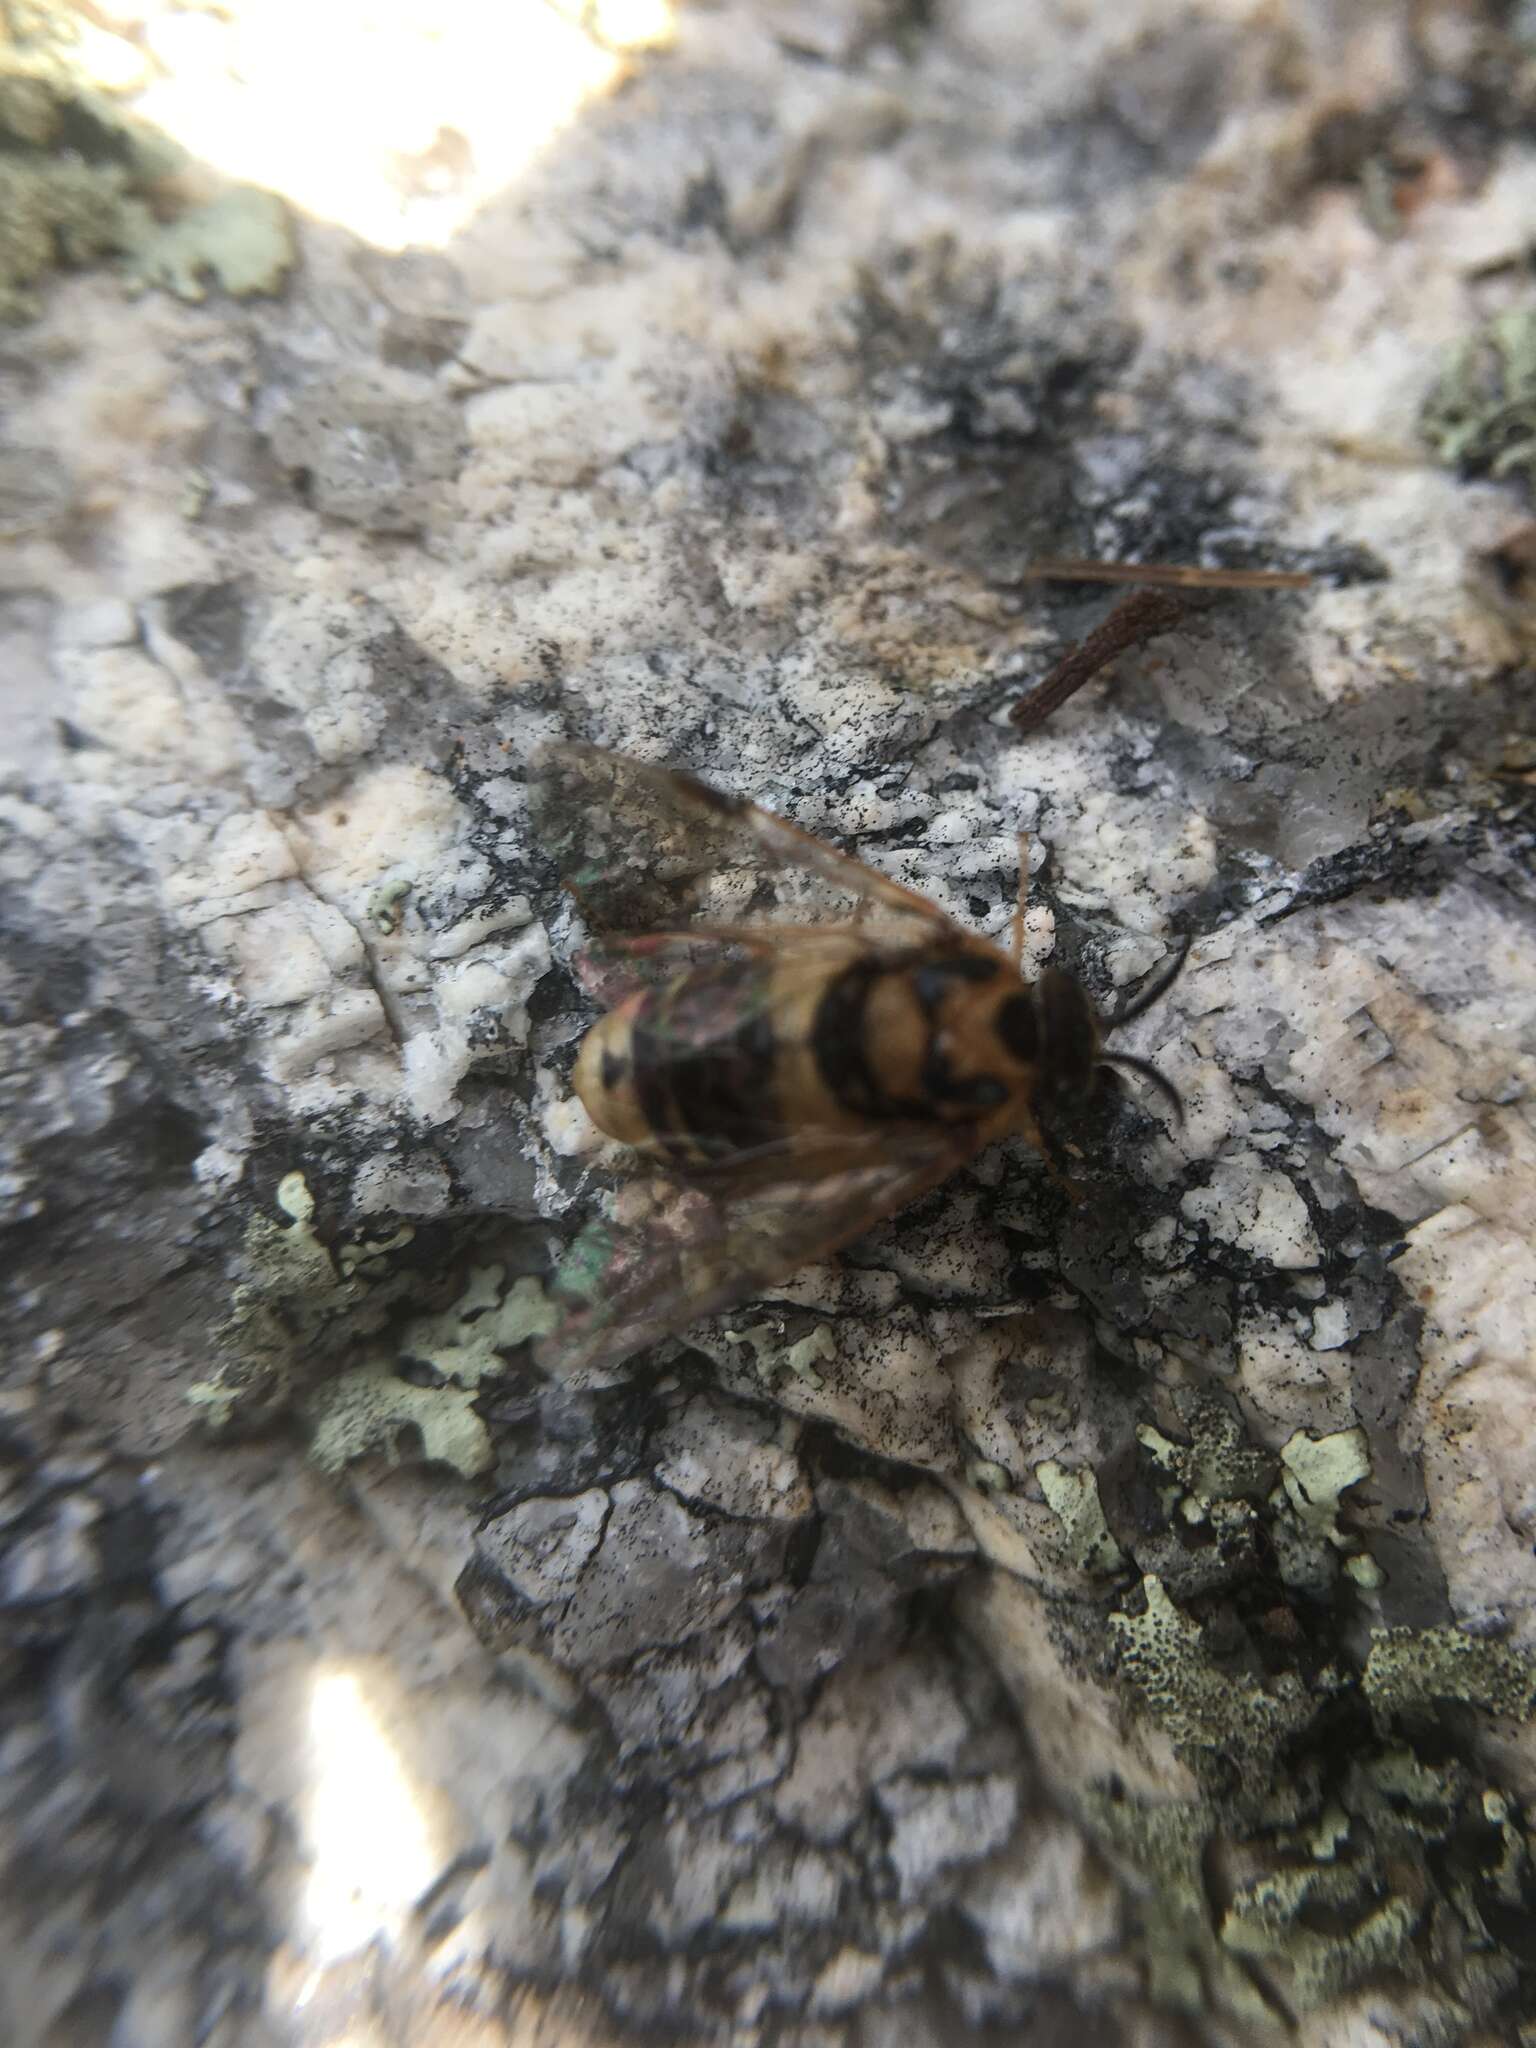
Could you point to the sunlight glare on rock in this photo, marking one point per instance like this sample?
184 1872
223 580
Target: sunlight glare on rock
368 1835
393 118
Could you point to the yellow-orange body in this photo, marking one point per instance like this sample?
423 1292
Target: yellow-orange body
801 1079
793 1047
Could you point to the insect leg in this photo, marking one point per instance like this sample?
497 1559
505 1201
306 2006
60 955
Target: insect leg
1027 1125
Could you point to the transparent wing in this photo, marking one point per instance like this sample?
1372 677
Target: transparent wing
650 848
614 964
708 1247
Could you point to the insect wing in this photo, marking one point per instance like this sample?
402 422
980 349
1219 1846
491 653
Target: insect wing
641 848
706 1249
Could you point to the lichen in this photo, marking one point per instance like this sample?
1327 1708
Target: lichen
1218 1462
1211 1715
1410 1668
303 1303
384 904
1163 1845
81 179
987 1476
1480 415
771 1354
56 213
292 1291
1359 1854
239 239
1268 1919
1317 1471
1223 1485
371 1408
1073 1498
465 1342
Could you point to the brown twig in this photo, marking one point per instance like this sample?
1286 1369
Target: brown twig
1183 575
1139 617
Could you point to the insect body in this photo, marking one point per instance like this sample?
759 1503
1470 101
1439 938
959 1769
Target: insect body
811 1050
798 1080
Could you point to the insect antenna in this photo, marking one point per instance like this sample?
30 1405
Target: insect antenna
1128 1062
1148 996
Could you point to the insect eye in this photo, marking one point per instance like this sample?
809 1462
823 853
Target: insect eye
1017 1028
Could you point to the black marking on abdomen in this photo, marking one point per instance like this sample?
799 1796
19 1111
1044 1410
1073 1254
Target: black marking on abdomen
649 1061
837 1041
723 1093
614 1069
841 1051
704 1052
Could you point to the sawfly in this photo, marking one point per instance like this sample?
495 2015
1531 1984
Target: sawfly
796 1079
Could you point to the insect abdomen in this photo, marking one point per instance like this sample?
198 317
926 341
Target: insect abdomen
741 1056
689 1069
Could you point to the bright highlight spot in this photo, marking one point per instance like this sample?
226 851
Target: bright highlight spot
395 118
370 1842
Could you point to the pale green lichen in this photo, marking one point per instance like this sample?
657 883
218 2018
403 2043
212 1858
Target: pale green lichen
1346 1855
799 1358
1410 1668
1366 1572
1480 415
219 1400
1331 1832
292 1292
80 180
1360 1860
370 1255
53 214
296 1202
771 1354
1211 1715
987 1476
195 495
1318 1470
1355 1864
298 1301
372 1409
1216 1482
304 1300
384 905
1073 1498
1164 1846
1218 1462
238 240
1266 1920
467 1340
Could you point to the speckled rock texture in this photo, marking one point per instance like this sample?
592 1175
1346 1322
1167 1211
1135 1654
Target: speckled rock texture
1105 1619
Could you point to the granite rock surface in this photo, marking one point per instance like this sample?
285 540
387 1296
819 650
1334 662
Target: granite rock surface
1106 1613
